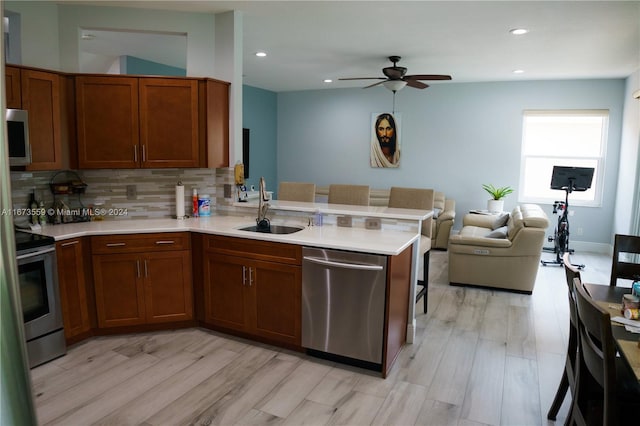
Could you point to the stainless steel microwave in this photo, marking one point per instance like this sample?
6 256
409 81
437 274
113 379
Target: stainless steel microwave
18 135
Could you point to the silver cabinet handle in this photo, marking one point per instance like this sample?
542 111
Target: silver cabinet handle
135 153
138 268
116 244
146 270
70 243
362 267
165 242
244 275
144 153
250 276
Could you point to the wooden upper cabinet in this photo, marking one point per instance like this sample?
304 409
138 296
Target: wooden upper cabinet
41 98
107 122
215 123
12 80
43 94
169 122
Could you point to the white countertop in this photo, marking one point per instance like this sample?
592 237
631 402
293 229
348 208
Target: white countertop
343 209
387 242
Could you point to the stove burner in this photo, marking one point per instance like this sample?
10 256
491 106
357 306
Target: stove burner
27 240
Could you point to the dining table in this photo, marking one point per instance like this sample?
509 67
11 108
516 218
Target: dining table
628 343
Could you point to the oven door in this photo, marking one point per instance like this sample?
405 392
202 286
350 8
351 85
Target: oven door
39 292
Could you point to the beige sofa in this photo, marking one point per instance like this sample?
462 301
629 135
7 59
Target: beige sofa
441 225
443 218
480 255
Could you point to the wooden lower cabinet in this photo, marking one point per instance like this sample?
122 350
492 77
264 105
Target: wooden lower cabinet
72 282
255 297
142 287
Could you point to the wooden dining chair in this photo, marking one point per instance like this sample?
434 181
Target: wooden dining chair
355 195
421 199
297 191
628 268
568 380
600 370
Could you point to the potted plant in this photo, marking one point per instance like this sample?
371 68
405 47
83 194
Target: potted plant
496 202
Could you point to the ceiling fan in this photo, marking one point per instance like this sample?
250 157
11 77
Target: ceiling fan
396 77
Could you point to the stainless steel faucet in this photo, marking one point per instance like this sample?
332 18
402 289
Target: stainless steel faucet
263 205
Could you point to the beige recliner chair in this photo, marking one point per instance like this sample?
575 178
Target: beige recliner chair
489 253
297 191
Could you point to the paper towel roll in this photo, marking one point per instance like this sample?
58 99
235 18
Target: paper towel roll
180 201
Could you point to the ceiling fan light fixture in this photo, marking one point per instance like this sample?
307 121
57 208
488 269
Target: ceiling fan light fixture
394 85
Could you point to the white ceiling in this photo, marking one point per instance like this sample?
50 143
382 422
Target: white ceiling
308 41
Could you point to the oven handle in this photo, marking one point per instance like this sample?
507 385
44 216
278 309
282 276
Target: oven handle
36 253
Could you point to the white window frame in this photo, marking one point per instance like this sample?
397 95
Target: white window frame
565 160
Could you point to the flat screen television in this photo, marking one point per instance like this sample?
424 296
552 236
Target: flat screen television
571 178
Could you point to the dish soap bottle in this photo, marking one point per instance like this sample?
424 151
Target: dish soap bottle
43 214
33 208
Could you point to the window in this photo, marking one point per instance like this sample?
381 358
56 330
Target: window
562 138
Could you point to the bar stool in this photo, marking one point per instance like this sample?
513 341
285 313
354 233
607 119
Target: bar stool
297 191
421 199
355 195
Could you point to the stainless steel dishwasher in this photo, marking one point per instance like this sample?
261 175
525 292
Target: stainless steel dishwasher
343 300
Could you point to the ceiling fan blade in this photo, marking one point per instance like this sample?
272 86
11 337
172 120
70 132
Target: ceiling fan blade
375 84
416 84
427 77
363 78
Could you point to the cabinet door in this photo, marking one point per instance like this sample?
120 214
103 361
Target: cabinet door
41 99
107 122
216 123
169 122
119 289
12 84
73 291
168 288
275 305
226 280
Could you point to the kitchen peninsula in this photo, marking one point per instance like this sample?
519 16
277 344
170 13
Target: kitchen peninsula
211 252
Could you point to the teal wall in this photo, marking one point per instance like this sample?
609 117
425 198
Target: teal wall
139 66
260 116
454 137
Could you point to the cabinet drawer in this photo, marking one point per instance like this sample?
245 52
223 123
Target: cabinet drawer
140 242
261 250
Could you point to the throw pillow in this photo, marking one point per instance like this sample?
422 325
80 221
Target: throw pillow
500 221
498 233
436 212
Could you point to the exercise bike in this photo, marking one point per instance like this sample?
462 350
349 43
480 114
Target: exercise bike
568 179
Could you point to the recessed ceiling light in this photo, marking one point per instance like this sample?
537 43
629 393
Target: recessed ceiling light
88 36
261 54
518 71
328 80
518 31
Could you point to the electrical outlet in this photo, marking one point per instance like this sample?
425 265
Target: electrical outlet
344 221
132 192
372 223
227 190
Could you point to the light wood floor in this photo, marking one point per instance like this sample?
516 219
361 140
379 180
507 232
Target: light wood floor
481 357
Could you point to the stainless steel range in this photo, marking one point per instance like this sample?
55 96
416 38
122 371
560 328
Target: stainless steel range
40 299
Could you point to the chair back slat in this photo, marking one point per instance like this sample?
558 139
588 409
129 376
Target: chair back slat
597 346
571 273
627 268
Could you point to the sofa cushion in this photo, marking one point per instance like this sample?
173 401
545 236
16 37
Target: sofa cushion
515 223
498 233
500 221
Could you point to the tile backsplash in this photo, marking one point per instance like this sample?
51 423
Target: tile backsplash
155 189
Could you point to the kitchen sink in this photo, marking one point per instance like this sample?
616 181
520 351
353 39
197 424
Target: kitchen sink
273 229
